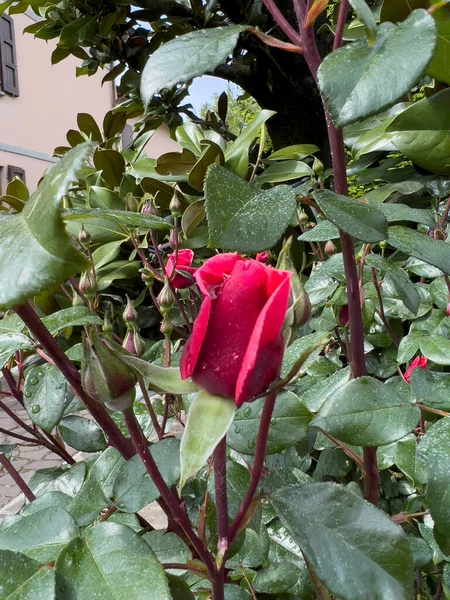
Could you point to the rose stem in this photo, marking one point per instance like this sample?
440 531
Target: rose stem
180 517
149 406
44 337
17 478
336 140
220 489
258 463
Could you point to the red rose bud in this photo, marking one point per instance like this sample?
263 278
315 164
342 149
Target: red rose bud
84 237
149 208
263 257
129 315
105 377
174 239
344 315
181 263
330 248
447 312
88 284
236 346
420 362
133 343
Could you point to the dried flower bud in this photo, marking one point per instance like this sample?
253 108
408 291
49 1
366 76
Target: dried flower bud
105 377
174 239
84 236
439 235
330 248
107 327
129 315
131 203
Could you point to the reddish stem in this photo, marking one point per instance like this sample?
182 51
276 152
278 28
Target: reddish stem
258 463
282 23
44 337
17 478
220 492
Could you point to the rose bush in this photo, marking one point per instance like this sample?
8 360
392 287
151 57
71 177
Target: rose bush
236 347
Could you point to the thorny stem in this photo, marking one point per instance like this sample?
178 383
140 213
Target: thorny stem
173 507
257 469
444 216
335 137
17 478
44 337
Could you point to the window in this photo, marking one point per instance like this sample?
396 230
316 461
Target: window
8 60
15 172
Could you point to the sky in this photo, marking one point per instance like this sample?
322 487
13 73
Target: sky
202 88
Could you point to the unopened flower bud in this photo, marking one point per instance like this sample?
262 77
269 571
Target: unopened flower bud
131 203
447 312
129 315
166 299
302 217
263 257
105 377
166 327
84 236
383 244
149 208
77 300
133 343
330 248
107 327
344 315
174 239
175 205
87 283
147 277
317 166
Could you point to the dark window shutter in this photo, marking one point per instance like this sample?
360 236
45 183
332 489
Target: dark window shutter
15 172
8 60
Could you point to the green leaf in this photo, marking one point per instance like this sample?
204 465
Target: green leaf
434 454
105 468
242 218
114 562
322 232
46 395
168 547
402 212
398 10
17 189
208 421
431 388
236 156
276 578
86 123
82 434
402 283
192 217
302 350
133 489
296 152
41 535
422 132
22 578
406 460
87 504
439 68
179 588
329 521
111 163
431 251
125 218
75 316
284 171
360 80
315 396
436 348
409 345
35 243
10 343
364 14
186 57
289 425
366 412
362 221
234 592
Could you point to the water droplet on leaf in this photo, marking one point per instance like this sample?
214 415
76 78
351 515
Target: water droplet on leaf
251 444
247 412
36 408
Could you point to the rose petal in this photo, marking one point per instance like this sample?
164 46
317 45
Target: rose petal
262 360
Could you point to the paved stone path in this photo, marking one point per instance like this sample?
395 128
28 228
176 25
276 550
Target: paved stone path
28 459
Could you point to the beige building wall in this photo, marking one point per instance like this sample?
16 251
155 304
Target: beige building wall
35 122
